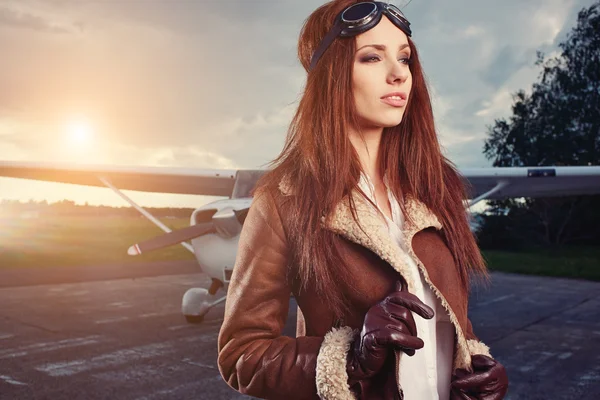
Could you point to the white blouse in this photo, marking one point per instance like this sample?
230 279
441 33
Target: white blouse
426 375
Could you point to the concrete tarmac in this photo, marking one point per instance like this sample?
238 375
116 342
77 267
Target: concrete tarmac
125 338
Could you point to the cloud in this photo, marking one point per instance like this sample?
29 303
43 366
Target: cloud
471 31
504 64
21 19
192 156
548 22
497 105
197 83
478 58
149 85
239 142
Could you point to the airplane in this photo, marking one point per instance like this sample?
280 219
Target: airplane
215 227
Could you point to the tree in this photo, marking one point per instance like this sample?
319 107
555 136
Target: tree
557 124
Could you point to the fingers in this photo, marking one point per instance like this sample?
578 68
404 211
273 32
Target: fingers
488 380
401 340
402 315
378 345
473 380
391 321
411 302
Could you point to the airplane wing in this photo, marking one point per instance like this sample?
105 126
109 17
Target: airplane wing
486 183
509 182
210 182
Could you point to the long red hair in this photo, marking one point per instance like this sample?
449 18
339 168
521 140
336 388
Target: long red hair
320 161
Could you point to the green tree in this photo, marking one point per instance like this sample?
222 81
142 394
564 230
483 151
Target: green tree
558 124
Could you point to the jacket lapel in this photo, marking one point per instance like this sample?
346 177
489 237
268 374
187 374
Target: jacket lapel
376 238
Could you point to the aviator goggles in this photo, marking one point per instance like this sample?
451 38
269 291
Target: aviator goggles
359 18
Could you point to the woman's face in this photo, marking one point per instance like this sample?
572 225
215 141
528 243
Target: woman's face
381 78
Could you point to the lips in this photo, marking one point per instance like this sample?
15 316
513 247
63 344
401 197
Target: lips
401 95
396 99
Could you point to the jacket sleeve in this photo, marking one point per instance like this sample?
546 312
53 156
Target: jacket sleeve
253 357
475 345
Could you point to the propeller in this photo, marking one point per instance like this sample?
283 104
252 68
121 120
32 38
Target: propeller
171 238
226 222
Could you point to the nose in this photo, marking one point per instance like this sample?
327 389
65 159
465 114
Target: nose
398 72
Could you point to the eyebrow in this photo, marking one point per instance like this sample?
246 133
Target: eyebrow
382 46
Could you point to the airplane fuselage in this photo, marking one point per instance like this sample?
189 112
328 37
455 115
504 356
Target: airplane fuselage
216 252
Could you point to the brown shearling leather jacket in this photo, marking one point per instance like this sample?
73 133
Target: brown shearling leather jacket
255 359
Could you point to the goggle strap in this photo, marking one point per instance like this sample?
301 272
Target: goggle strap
338 27
325 43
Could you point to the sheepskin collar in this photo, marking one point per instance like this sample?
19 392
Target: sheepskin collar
375 236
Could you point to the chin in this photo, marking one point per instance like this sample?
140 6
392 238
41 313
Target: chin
383 119
389 122
390 118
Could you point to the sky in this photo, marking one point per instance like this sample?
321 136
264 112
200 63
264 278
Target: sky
214 84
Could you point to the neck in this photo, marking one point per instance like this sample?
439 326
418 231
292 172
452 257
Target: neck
366 142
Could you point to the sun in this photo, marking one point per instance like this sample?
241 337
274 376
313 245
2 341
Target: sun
80 131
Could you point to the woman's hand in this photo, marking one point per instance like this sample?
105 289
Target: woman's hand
488 381
388 325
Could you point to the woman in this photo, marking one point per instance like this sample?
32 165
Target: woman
362 220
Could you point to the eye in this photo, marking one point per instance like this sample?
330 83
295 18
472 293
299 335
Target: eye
406 60
370 58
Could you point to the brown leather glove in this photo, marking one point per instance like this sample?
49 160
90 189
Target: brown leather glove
388 325
488 381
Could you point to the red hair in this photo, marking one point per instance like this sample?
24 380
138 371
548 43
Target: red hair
320 160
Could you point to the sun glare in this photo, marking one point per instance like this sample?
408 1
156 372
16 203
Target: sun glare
80 131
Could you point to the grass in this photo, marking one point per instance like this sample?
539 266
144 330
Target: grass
81 241
581 262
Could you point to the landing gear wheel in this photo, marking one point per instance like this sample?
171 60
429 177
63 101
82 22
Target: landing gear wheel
195 304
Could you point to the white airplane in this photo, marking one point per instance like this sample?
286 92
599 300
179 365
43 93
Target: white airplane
215 228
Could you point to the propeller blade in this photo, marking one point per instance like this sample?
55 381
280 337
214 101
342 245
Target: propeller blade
171 238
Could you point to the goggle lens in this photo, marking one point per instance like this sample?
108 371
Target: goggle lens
358 12
359 18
